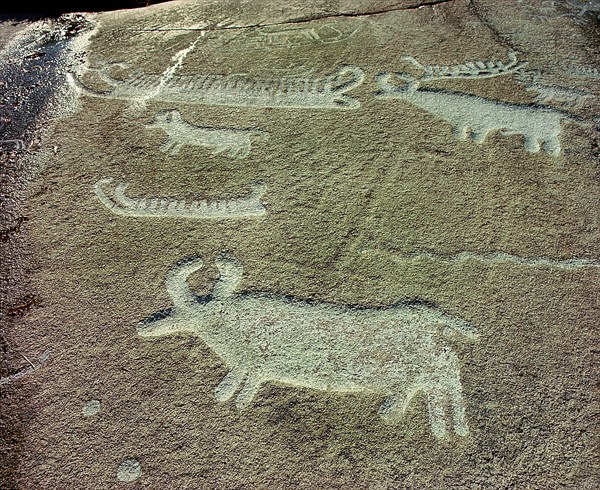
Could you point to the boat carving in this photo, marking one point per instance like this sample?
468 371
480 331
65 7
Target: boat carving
164 207
310 92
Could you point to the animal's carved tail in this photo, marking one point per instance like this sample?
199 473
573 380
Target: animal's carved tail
230 271
177 286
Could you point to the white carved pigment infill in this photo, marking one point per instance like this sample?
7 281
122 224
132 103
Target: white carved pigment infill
165 207
397 351
547 92
468 69
236 143
326 92
540 126
294 36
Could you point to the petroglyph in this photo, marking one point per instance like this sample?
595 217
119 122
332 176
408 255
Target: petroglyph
177 59
165 207
467 70
583 72
29 369
478 116
90 408
16 144
326 92
568 97
397 351
235 142
129 471
493 258
293 36
584 6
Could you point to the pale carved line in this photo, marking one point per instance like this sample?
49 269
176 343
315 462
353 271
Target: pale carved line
475 117
492 258
236 143
327 92
397 351
468 69
42 359
165 207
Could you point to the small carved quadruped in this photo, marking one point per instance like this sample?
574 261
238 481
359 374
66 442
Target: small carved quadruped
164 207
236 143
397 351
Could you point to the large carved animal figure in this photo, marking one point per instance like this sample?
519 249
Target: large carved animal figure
236 142
478 116
396 351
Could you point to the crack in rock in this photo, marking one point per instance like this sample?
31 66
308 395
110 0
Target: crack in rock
308 18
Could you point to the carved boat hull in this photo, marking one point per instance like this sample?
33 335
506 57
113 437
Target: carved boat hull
163 207
327 92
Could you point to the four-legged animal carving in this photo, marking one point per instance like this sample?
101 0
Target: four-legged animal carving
236 142
397 351
469 113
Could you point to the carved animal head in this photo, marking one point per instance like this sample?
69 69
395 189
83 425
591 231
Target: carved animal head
384 81
189 309
166 322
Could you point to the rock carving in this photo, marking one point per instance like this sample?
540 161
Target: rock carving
165 207
583 72
18 144
236 142
397 351
568 97
129 471
327 92
42 359
469 113
293 36
492 258
584 6
467 70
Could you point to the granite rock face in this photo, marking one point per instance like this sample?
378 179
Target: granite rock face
349 245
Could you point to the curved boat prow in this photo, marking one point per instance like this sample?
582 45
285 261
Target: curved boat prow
76 82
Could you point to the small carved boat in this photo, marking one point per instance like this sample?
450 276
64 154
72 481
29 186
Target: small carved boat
164 207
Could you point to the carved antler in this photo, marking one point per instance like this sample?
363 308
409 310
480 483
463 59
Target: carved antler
468 70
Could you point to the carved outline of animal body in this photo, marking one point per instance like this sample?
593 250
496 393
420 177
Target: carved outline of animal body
538 125
326 92
397 351
164 207
236 142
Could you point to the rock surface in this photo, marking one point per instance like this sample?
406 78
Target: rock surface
302 246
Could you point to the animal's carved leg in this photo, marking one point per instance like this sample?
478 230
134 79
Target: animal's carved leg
234 152
394 406
228 385
478 135
218 149
552 146
532 144
248 392
171 147
460 132
459 418
437 413
241 152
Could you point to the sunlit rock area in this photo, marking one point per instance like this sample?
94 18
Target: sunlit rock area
313 245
